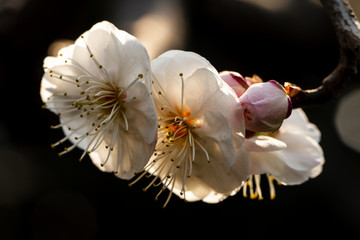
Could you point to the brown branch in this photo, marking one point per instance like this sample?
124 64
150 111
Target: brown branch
347 30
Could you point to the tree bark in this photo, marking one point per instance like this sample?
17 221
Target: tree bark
347 28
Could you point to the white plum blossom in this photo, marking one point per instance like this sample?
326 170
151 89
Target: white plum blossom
291 155
100 89
200 153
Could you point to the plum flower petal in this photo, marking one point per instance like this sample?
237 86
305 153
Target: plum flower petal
237 82
100 88
301 157
200 153
263 143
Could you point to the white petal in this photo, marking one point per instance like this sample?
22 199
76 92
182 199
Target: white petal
214 197
120 54
316 170
77 54
217 175
205 90
51 84
167 68
48 89
217 128
237 119
299 123
174 62
141 113
195 189
200 90
271 162
263 143
82 127
302 153
301 159
129 156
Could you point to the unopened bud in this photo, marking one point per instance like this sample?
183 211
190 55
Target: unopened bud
265 106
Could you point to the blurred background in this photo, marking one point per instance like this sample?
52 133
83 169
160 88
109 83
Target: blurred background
43 196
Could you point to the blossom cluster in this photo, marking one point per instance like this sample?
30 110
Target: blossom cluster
201 134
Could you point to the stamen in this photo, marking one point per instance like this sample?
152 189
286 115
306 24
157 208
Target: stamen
159 91
137 179
182 150
191 139
114 109
204 150
99 139
125 120
102 70
184 176
111 147
75 63
151 184
271 186
68 111
182 91
173 111
258 192
98 85
251 189
140 76
258 188
190 166
177 131
61 100
66 78
118 155
170 194
245 189
68 149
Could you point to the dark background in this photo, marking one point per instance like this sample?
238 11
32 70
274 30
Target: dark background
43 196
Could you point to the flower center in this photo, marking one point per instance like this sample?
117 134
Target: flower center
105 103
179 126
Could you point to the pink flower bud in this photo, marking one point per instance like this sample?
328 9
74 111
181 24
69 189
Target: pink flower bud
265 106
235 81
